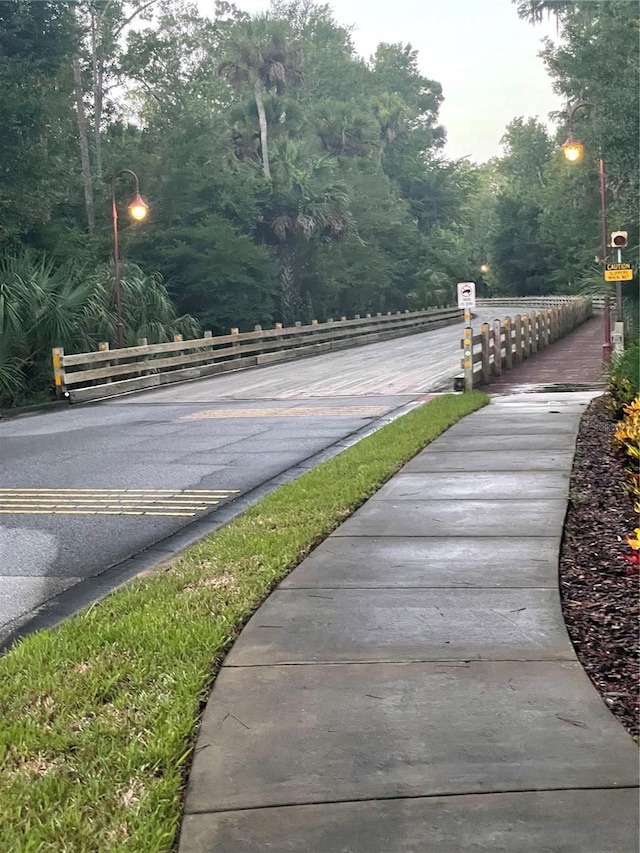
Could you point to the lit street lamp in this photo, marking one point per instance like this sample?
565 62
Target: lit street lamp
138 211
573 150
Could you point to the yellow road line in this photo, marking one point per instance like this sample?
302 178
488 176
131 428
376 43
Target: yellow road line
90 512
184 503
49 501
126 492
299 411
181 503
96 507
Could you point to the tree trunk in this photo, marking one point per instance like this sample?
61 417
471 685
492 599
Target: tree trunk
84 147
98 77
262 117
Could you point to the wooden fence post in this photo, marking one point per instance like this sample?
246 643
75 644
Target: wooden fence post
57 355
467 360
497 348
235 344
534 332
103 346
518 328
548 328
526 336
486 363
508 344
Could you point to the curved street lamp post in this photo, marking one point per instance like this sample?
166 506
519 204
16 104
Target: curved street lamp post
138 211
573 150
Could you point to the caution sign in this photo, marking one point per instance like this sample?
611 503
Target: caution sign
618 272
467 295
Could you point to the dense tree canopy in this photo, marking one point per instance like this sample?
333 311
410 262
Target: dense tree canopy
595 62
287 177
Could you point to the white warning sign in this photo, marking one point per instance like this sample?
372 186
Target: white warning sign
467 295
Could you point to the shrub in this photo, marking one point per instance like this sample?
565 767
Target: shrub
624 376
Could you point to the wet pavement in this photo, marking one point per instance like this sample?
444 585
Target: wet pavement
411 686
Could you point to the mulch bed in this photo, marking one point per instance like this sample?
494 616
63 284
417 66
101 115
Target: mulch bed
599 587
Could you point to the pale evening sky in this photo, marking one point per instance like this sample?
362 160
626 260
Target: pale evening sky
484 56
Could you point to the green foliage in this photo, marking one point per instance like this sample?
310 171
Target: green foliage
624 376
36 119
43 306
595 60
215 273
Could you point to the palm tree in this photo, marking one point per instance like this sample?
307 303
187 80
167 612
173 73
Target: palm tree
346 129
263 56
392 114
535 10
43 306
284 117
308 204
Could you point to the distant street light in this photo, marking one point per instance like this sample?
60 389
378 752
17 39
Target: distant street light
138 210
484 268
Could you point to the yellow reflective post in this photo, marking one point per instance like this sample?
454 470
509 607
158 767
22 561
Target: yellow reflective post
467 361
57 356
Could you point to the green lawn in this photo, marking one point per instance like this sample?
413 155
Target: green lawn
97 716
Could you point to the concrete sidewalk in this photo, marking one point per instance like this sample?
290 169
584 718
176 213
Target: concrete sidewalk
410 687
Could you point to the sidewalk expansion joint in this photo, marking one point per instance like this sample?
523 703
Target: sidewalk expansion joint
401 797
458 663
465 585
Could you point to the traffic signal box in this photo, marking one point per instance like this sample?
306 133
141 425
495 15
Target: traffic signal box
619 239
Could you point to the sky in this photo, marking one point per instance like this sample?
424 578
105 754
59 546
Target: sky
484 56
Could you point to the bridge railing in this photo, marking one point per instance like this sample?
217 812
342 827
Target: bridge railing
505 343
527 301
108 373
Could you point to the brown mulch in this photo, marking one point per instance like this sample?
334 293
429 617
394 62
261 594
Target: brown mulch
600 589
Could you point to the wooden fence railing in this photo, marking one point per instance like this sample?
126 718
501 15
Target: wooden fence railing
109 373
506 343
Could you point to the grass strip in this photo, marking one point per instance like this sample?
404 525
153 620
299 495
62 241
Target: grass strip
97 716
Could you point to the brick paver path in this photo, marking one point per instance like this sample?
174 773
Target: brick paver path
575 359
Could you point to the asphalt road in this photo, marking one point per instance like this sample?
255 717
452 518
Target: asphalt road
85 488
